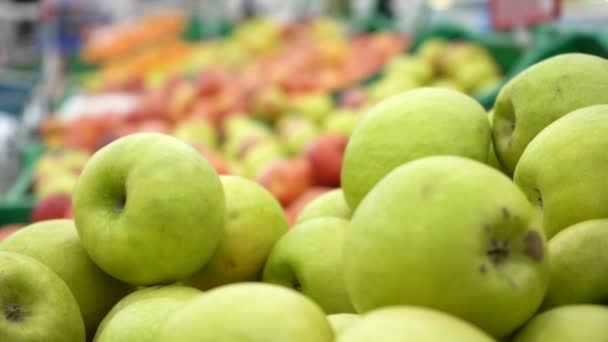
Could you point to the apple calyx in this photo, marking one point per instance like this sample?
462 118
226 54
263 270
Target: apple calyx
297 286
120 204
498 251
14 312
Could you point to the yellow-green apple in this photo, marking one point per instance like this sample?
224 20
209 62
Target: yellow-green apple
325 155
242 134
53 206
542 94
432 50
260 156
248 312
492 158
408 126
329 204
269 103
296 133
254 222
58 162
340 322
313 106
308 259
460 54
140 315
8 229
410 323
341 121
149 209
476 75
444 82
59 183
36 305
492 269
196 131
571 323
577 261
55 243
286 179
389 86
562 166
293 210
412 67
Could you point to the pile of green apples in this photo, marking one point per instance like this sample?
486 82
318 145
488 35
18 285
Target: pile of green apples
450 224
460 65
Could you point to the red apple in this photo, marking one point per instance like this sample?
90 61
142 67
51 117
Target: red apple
210 82
293 210
287 179
8 229
53 206
217 162
325 155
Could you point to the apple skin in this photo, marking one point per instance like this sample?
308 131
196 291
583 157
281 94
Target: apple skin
542 94
562 168
294 209
309 259
342 321
493 244
313 106
325 155
341 122
254 222
248 312
40 303
408 126
8 230
55 243
149 209
296 133
287 179
217 162
577 258
196 131
329 204
53 206
63 182
140 315
567 323
409 323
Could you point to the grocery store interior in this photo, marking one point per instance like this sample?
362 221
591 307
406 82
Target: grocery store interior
446 158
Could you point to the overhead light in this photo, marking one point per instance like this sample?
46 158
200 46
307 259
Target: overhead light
442 5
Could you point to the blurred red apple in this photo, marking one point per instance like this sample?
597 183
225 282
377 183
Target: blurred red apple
154 125
210 82
8 229
287 179
53 206
325 155
293 210
353 98
217 162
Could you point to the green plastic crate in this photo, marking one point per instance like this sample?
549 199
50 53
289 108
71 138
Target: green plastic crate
17 203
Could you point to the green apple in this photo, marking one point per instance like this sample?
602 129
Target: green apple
432 50
309 259
296 133
342 321
55 243
249 312
542 94
62 182
492 159
403 324
260 156
149 209
140 315
577 260
242 134
330 204
270 103
196 132
313 106
408 126
412 67
562 169
35 304
461 54
389 86
468 241
567 324
341 121
254 222
444 82
473 76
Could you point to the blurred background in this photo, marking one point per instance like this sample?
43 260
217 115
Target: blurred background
220 75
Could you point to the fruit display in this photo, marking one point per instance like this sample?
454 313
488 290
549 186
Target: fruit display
251 201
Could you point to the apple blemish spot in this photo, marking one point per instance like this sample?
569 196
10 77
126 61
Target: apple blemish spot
14 312
534 246
505 213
